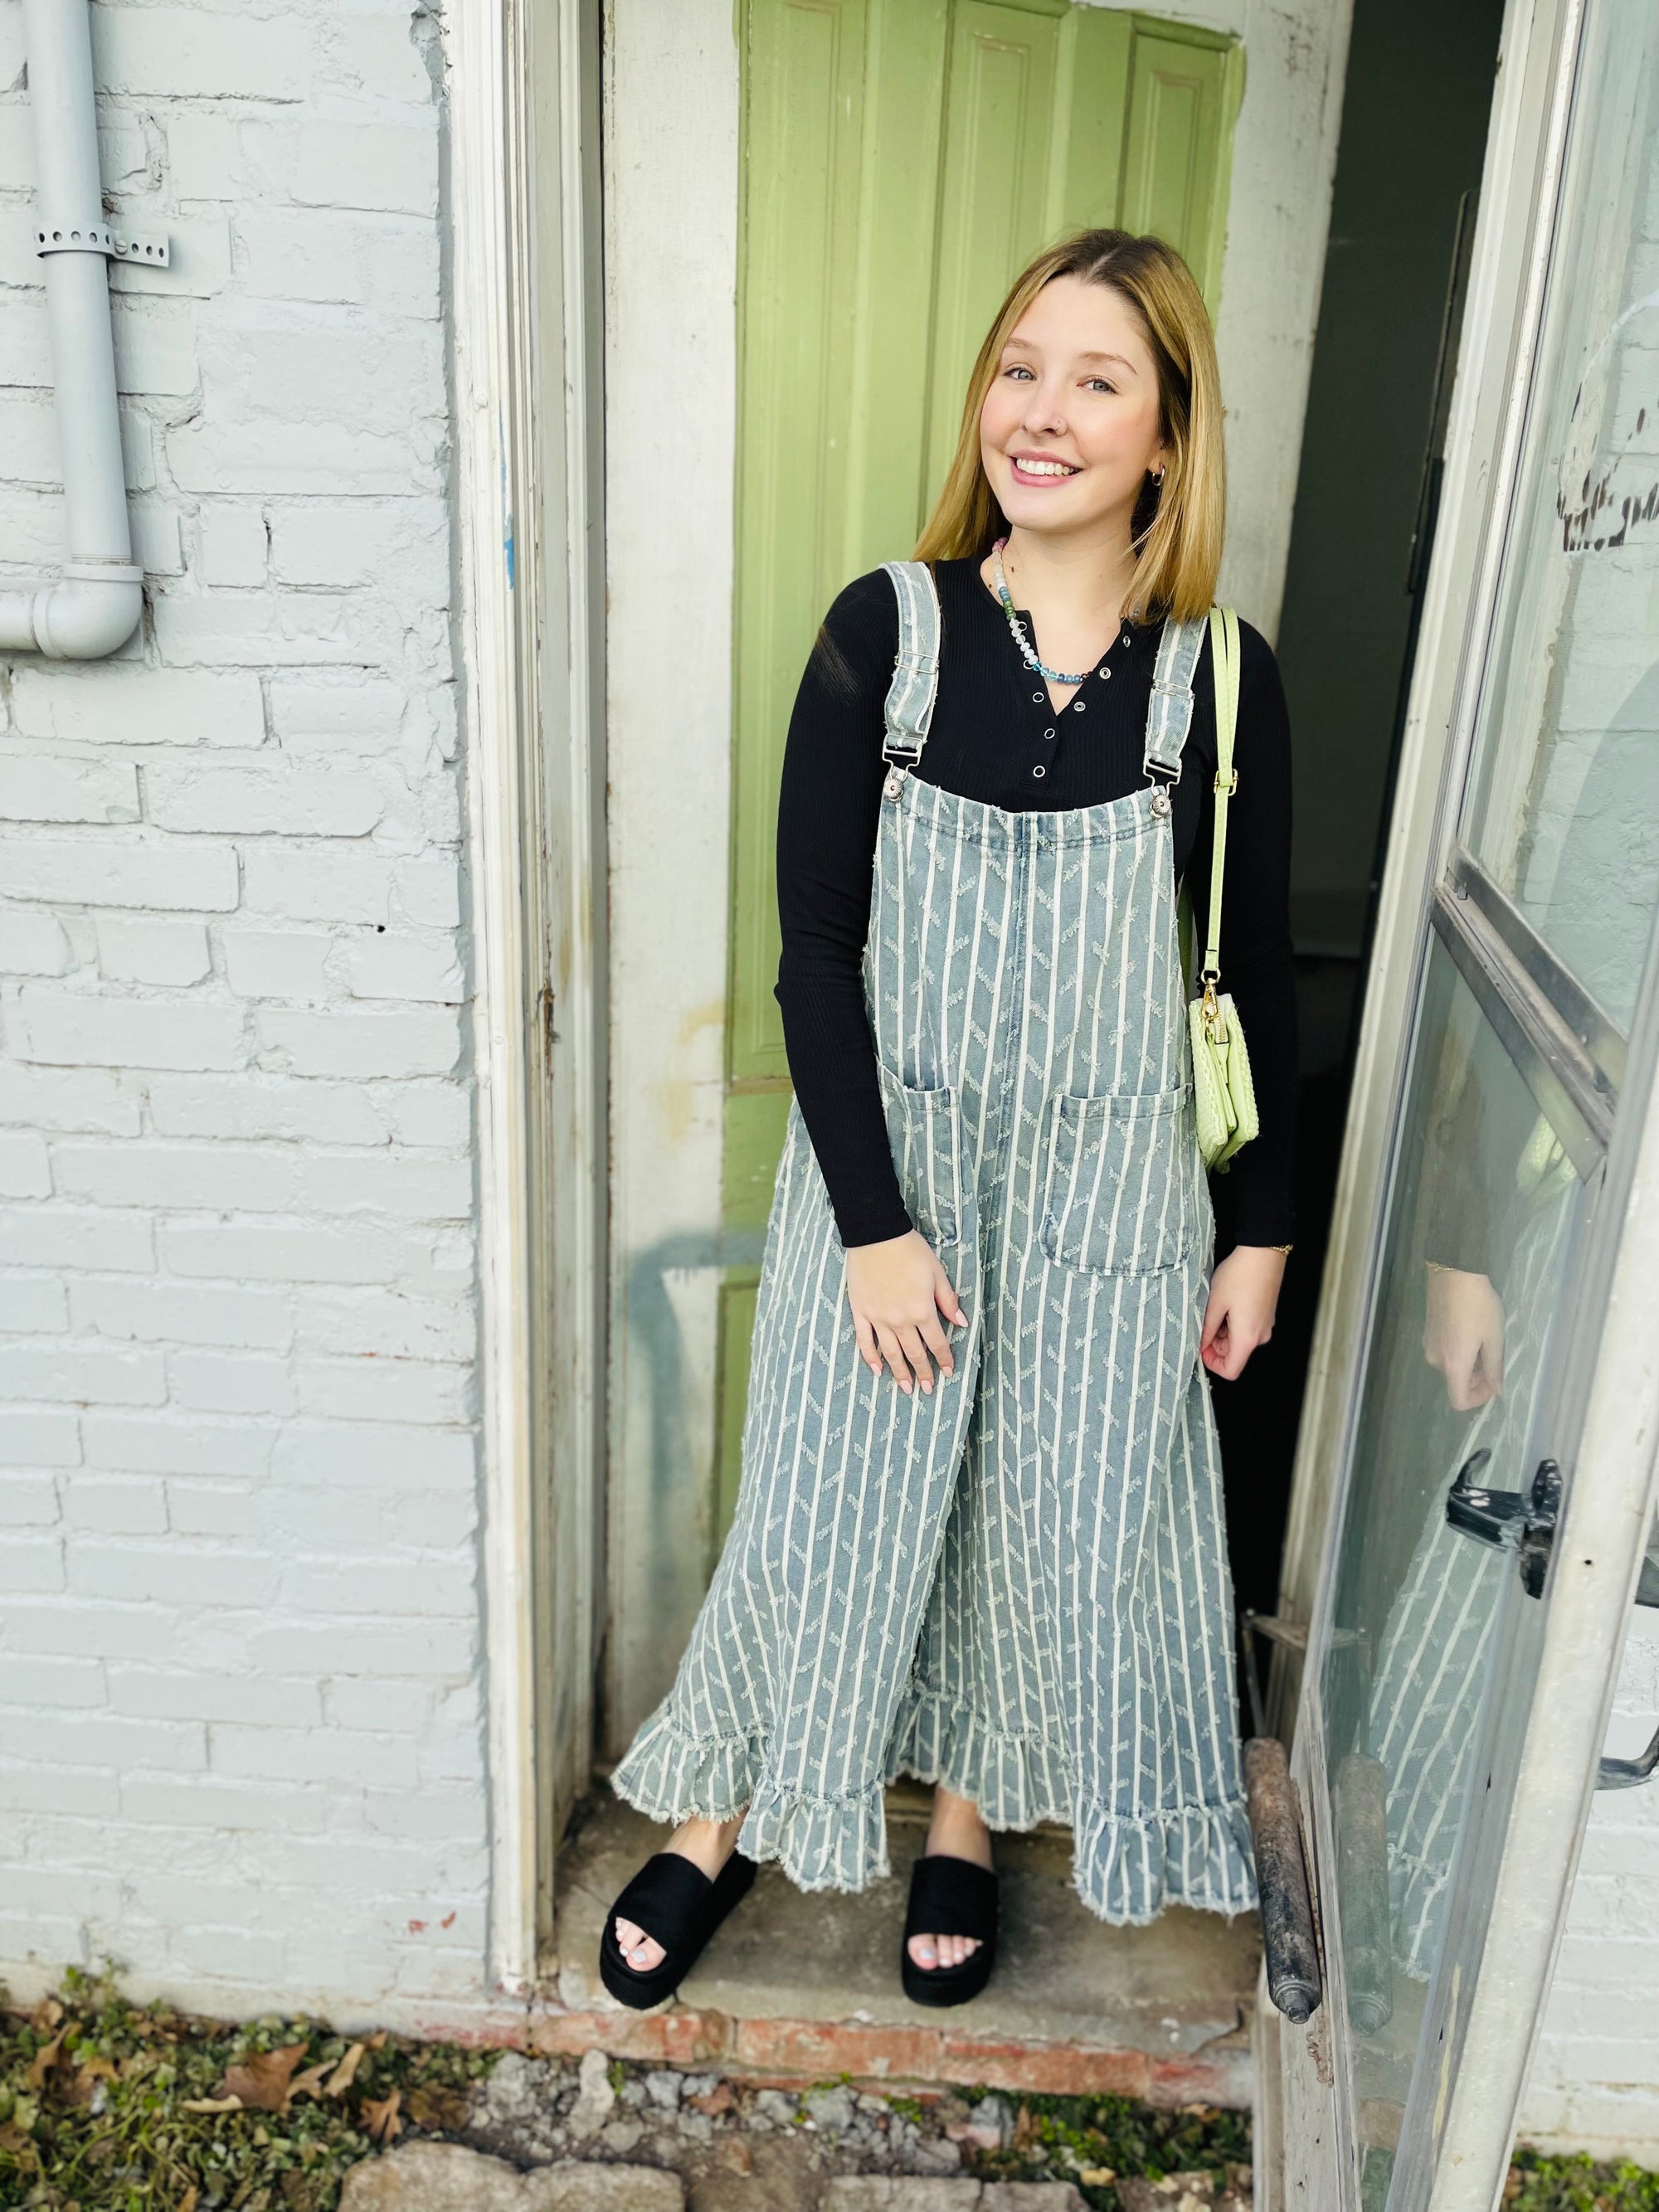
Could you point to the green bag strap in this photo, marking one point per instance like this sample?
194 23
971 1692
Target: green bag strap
1224 660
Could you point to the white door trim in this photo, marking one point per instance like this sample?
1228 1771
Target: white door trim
527 525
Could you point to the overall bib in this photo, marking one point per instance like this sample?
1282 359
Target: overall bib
1017 1586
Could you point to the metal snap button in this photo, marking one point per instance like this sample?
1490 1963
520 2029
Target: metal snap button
1105 675
1036 698
1160 802
1039 770
1081 703
1047 733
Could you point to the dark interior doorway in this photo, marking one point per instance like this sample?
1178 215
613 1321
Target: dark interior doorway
1414 119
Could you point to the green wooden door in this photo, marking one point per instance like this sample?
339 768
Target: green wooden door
902 159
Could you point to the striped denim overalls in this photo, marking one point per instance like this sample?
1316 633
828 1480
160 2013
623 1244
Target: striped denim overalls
1017 1586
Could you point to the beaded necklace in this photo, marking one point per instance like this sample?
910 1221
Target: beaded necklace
1050 675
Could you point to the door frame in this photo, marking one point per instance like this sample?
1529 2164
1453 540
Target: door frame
1304 2110
526 397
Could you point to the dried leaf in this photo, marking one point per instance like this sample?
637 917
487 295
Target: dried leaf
79 2087
310 2083
379 2116
187 2202
264 2081
46 2015
43 2060
377 2041
211 2104
341 2079
437 2105
1096 2176
718 2099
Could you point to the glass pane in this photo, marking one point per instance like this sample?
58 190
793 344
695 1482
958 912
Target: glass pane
1483 1205
1563 811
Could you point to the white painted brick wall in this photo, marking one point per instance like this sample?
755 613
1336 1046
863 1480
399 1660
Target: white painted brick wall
241 1735
1594 2081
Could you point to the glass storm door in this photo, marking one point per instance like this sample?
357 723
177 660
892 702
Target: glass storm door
1524 1086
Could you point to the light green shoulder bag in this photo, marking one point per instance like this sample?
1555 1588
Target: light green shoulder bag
1222 1090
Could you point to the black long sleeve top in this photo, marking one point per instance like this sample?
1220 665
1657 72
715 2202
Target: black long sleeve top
994 728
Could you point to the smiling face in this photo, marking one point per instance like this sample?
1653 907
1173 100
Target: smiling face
1070 423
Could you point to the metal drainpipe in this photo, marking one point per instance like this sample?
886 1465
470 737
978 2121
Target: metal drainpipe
95 604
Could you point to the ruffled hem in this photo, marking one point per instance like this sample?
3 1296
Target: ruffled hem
1015 1780
1125 1868
674 1776
821 1843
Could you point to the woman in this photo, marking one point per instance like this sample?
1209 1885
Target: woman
979 1534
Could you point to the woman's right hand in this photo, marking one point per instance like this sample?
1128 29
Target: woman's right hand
897 1291
1463 1336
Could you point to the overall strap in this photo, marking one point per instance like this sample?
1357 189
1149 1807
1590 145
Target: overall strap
910 707
1170 716
1224 658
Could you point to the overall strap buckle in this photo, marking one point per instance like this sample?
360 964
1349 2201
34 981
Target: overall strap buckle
908 708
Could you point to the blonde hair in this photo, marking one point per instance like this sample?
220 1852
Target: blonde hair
1178 526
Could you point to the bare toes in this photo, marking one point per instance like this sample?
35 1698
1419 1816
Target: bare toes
639 1949
933 1952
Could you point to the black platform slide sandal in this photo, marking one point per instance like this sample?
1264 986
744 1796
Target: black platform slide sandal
677 1906
949 1897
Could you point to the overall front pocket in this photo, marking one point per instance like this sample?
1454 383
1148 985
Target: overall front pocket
1118 1187
921 1133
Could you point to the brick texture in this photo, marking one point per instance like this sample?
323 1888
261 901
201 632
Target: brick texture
240 1719
1594 2083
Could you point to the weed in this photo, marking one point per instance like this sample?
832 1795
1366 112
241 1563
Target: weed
110 2106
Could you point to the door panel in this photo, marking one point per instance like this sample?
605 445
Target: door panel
1562 814
804 118
1427 1598
901 160
999 128
1181 96
1429 1751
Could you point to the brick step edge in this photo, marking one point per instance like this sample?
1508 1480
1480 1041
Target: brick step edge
785 2050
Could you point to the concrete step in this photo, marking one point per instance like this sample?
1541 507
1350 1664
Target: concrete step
806 1986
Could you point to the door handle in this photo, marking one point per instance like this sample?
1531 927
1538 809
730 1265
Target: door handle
1631 1773
1521 1521
1487 1514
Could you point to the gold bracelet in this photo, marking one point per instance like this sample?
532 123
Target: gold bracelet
1279 1247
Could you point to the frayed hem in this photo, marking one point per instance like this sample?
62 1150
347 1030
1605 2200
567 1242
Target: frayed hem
821 1843
1124 1867
1013 1781
673 1776
1128 1867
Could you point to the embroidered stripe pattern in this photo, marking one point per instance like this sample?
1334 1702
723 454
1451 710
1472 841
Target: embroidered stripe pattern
1017 1586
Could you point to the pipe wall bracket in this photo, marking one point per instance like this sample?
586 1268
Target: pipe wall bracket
100 237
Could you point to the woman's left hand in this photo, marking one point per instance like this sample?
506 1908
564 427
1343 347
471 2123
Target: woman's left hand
1243 1300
